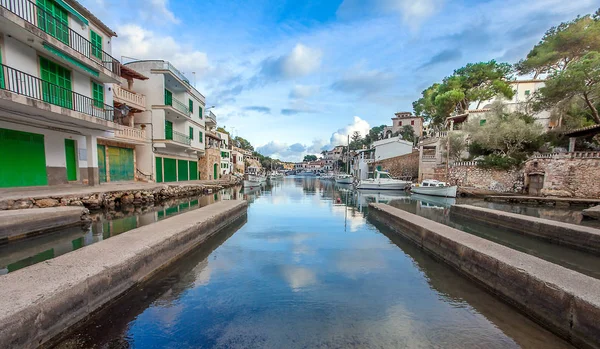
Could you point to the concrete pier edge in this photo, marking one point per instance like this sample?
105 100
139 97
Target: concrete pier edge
571 235
40 302
565 302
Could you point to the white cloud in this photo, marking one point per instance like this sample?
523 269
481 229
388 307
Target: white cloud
340 137
415 12
140 43
160 8
364 83
301 61
303 91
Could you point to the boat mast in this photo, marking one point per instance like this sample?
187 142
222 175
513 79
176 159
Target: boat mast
348 156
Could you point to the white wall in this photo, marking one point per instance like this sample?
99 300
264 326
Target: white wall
17 55
391 147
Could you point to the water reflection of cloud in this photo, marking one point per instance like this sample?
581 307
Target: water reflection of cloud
354 219
353 263
298 277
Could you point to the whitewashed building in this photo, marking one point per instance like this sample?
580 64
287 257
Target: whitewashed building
226 163
56 94
391 147
175 115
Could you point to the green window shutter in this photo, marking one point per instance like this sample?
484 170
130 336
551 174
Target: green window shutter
96 40
481 122
200 112
191 103
201 138
98 94
168 129
2 85
168 97
56 85
53 20
191 132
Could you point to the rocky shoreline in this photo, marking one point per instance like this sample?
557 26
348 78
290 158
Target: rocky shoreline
116 198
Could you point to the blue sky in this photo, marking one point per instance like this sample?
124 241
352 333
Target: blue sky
295 77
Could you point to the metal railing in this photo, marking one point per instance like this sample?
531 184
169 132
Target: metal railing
179 106
55 27
178 137
176 72
27 85
131 133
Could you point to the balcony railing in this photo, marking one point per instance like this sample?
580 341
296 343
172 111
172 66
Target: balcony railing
24 84
175 71
57 28
178 137
134 99
179 106
131 133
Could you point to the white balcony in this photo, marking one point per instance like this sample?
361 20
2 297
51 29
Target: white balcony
131 134
131 99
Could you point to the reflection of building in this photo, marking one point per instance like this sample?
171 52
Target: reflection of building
56 97
176 111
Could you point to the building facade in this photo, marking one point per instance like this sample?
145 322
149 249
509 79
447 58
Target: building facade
175 114
404 119
209 165
226 148
237 159
56 97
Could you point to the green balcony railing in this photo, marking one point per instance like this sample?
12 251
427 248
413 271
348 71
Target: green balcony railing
177 137
181 107
27 85
57 28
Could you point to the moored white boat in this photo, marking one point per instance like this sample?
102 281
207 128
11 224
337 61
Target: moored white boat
435 188
382 181
344 179
251 181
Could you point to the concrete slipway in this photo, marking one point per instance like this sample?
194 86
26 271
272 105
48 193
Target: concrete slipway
562 300
39 302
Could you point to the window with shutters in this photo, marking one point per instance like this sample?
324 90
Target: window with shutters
481 122
96 44
53 19
56 84
98 94
200 112
168 97
201 138
412 122
400 123
191 133
191 106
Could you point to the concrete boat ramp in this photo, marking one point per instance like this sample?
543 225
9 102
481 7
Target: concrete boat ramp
19 224
564 301
40 302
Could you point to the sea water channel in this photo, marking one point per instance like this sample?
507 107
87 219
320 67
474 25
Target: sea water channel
307 269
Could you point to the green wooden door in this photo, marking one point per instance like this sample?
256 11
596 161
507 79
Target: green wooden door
193 170
215 170
182 170
56 84
102 163
22 159
120 162
71 157
53 19
159 170
170 166
168 129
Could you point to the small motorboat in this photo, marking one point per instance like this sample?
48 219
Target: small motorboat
251 181
344 179
435 188
382 181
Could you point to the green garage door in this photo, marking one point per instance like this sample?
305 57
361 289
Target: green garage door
102 163
170 168
120 162
193 170
183 170
22 159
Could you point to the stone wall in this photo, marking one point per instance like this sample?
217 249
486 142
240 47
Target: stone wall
574 174
401 166
473 176
206 163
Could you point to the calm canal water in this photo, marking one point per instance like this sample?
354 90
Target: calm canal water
305 271
106 224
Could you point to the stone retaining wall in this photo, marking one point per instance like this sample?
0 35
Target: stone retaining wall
39 302
401 166
112 199
564 301
473 176
567 175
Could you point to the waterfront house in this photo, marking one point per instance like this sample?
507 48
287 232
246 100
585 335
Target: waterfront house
209 165
237 159
117 156
175 111
402 119
56 98
225 153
